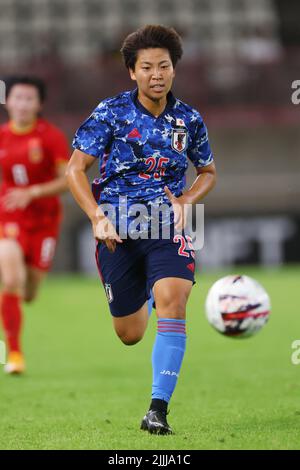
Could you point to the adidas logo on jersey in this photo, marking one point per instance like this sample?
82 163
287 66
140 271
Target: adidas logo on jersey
134 134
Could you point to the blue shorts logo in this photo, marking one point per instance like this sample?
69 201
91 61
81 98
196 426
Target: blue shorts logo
109 293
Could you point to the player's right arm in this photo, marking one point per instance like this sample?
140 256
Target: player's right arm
79 185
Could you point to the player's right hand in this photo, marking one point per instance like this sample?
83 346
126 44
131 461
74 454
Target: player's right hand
104 231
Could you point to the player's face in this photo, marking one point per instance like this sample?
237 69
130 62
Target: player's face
23 104
153 72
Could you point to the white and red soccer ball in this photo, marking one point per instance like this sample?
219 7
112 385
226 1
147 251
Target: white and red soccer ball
237 306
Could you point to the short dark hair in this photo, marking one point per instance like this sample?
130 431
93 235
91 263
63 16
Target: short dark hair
151 36
26 80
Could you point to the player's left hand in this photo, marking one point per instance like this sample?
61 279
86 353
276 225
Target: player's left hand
17 198
180 209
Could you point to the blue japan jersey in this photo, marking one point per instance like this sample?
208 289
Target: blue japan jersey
138 153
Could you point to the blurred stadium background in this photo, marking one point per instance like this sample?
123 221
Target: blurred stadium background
241 57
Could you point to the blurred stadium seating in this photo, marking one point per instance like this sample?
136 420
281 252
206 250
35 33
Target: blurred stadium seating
77 30
241 57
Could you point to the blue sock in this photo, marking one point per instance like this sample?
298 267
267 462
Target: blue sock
167 356
150 303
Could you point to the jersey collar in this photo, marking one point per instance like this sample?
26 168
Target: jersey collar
22 130
171 100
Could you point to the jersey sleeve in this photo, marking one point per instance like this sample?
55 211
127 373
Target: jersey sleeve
95 134
199 151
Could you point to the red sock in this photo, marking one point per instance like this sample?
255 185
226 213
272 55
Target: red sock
11 314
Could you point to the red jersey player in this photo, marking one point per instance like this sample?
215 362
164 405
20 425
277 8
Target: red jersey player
33 156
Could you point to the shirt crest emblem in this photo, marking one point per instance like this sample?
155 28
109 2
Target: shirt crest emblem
179 139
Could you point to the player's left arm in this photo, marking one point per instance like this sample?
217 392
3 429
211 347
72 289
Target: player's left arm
202 185
201 156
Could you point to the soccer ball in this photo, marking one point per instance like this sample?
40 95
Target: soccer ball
237 306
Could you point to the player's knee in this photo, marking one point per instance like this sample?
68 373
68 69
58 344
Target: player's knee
11 284
130 338
130 341
175 304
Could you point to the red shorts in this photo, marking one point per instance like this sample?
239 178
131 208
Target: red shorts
38 245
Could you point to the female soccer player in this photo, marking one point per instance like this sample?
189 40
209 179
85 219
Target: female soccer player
142 140
33 155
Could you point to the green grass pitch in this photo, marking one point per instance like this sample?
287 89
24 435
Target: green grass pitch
85 390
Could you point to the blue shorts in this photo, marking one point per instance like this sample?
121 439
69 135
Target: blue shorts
130 272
